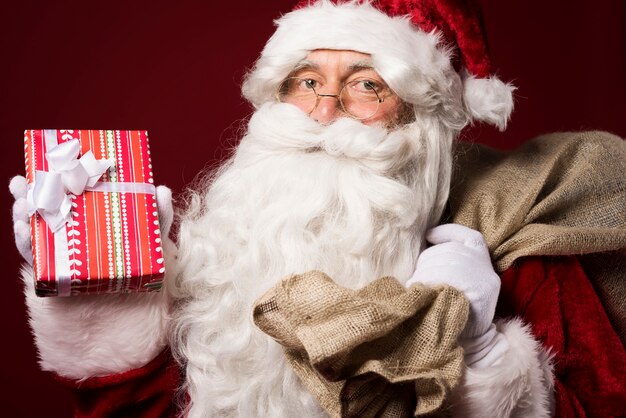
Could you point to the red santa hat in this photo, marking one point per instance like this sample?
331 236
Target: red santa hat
432 53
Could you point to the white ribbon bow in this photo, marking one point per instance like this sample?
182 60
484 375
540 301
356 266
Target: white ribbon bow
67 173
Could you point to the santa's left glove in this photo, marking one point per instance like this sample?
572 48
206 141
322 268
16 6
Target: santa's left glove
165 210
460 258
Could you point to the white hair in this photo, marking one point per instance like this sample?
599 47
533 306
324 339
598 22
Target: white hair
351 200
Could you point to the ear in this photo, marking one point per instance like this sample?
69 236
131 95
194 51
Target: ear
488 99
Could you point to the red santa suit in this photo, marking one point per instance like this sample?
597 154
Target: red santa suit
237 241
580 357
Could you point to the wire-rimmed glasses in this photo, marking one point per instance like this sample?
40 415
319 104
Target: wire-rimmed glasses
359 98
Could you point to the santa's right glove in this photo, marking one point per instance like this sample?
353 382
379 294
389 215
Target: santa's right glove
460 258
21 224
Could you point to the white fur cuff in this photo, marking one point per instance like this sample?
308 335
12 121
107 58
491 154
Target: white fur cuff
519 384
95 335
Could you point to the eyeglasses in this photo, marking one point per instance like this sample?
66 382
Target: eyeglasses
359 98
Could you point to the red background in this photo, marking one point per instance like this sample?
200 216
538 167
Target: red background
175 71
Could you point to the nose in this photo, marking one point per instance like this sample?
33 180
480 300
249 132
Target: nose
328 109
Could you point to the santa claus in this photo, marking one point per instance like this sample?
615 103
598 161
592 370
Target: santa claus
345 168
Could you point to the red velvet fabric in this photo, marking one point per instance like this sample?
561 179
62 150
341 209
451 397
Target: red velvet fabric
146 392
556 298
553 295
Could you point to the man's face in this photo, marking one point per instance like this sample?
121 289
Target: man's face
327 72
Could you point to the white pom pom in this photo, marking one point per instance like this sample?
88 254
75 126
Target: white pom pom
488 100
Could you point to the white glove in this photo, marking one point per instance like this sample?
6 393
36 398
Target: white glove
165 209
460 258
21 223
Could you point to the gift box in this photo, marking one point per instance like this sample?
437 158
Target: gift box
94 221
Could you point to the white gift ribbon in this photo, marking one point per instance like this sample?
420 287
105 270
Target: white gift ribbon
48 194
67 173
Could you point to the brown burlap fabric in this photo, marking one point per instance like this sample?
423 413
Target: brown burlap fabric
380 351
559 194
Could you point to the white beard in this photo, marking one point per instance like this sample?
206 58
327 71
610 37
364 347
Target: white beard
351 200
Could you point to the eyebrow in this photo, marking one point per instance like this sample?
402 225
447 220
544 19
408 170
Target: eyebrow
305 64
361 65
357 66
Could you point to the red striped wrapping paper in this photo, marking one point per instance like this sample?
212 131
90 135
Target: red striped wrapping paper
113 238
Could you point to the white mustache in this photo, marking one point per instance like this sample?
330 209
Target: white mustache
281 127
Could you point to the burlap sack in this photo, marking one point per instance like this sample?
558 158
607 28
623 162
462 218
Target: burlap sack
559 194
381 351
